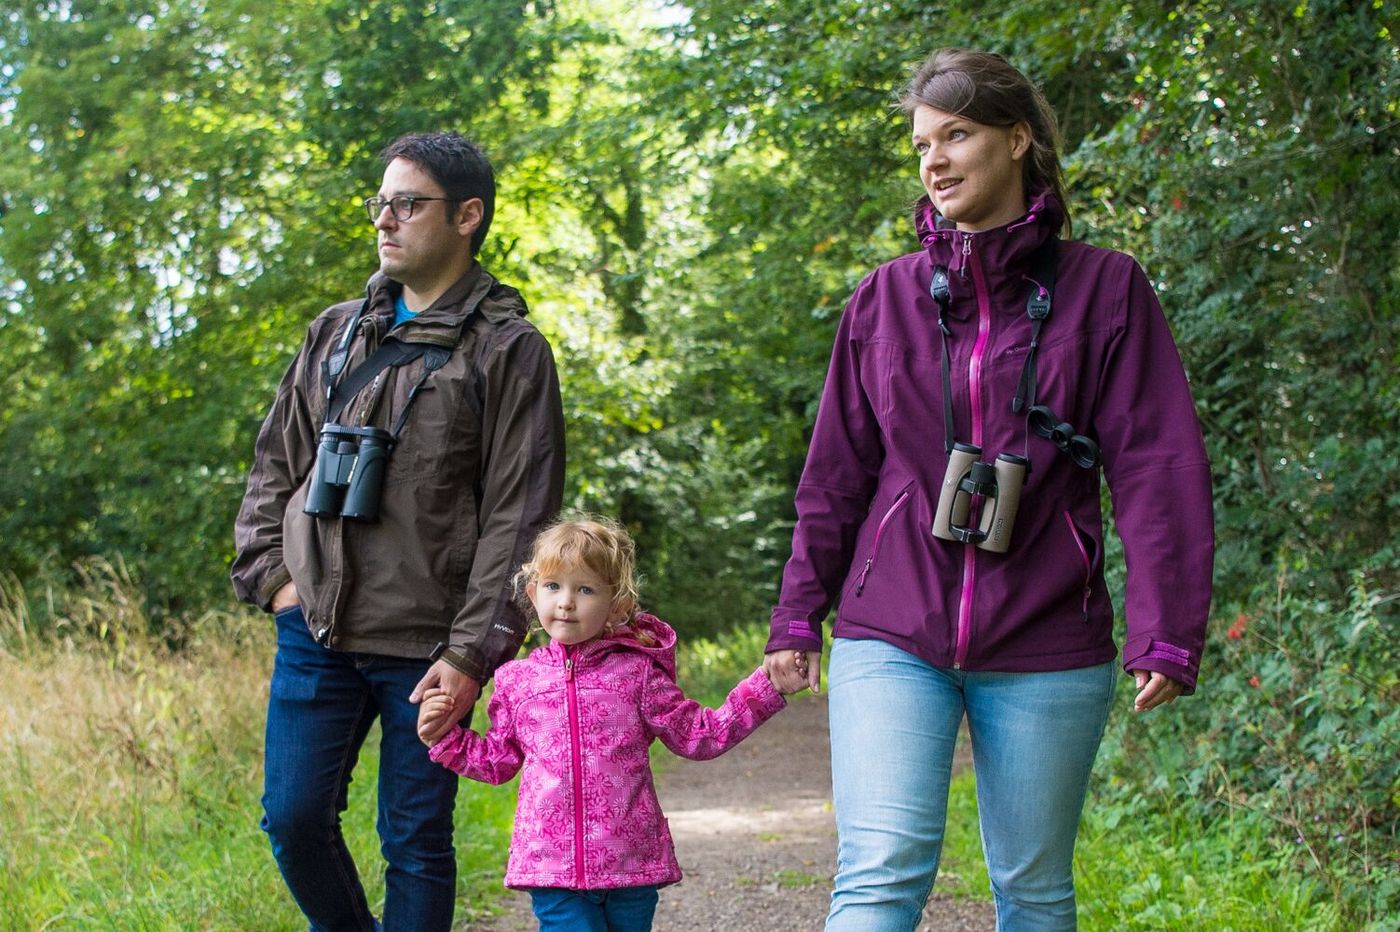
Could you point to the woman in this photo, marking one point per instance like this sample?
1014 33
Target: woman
977 607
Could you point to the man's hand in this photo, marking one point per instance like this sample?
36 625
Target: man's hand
1154 689
451 682
285 597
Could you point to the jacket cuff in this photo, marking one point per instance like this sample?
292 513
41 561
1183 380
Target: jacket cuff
447 744
466 660
788 633
764 697
1147 653
274 581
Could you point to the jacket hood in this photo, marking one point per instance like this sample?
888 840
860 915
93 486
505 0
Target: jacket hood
662 648
1008 247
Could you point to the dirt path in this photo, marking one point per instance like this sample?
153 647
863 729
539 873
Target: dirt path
757 841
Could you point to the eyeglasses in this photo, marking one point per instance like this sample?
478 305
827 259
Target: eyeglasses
401 206
1081 449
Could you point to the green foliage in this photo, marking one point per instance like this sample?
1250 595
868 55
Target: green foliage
1291 746
686 207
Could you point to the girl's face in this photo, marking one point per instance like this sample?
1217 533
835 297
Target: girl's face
573 604
972 171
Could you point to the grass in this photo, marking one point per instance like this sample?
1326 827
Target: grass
1144 865
130 773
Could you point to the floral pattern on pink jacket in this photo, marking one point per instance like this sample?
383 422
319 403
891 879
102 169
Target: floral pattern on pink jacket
580 719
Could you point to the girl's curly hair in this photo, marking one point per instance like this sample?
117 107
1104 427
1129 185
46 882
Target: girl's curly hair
599 543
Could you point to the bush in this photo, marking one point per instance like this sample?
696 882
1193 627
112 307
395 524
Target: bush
1289 744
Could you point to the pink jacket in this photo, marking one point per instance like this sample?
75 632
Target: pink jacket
580 720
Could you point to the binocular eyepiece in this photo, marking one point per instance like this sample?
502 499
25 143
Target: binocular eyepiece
349 473
977 502
1082 450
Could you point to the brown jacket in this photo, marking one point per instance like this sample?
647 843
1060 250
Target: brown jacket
475 473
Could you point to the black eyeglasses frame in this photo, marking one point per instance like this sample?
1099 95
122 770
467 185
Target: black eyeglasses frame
374 206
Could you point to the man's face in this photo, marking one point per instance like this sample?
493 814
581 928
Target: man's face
434 243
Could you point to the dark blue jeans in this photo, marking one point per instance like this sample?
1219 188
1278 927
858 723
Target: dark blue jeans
624 909
321 706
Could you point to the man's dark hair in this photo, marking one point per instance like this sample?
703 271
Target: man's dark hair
457 164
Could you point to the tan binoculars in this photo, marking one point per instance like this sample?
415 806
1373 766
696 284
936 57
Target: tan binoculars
977 502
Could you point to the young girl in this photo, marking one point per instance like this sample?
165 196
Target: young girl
590 842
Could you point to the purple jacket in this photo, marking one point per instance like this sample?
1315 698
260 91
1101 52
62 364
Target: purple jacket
580 719
865 504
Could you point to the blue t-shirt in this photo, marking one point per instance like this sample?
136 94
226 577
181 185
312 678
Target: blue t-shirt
401 311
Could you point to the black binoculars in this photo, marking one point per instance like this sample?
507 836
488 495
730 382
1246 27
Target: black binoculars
349 473
1081 449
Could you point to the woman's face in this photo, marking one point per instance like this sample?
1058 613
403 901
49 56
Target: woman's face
972 171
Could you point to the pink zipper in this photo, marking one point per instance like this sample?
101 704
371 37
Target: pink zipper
575 747
974 388
1088 564
879 532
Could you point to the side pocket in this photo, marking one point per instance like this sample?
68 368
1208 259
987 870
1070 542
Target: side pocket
899 503
1089 556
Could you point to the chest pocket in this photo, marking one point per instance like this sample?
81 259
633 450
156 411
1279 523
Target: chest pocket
428 410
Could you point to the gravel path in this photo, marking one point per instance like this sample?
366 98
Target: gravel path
753 864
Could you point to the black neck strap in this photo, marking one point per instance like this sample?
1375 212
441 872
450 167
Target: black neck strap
1037 309
938 287
392 352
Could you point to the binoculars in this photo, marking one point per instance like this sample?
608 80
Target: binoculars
977 502
349 473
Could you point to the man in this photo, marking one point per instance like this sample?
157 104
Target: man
399 578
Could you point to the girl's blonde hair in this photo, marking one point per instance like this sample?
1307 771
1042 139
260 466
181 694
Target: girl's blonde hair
599 543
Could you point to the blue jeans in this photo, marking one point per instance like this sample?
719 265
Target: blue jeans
622 909
321 706
894 721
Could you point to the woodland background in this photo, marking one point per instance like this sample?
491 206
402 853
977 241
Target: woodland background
688 194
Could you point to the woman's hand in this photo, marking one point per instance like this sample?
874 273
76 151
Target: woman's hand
1154 689
792 670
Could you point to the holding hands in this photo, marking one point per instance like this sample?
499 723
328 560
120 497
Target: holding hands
791 671
435 716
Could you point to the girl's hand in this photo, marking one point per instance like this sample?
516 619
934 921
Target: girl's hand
792 671
434 716
1154 689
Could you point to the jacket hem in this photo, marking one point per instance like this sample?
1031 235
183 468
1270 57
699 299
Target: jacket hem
611 882
1033 663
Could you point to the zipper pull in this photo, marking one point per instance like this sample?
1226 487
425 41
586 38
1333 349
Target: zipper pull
569 669
966 254
860 586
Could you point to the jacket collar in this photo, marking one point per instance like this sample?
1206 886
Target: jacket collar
663 651
1004 252
442 321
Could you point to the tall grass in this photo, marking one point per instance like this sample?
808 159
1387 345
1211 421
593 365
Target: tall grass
130 772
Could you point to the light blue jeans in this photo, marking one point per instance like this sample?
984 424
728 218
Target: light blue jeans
894 721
